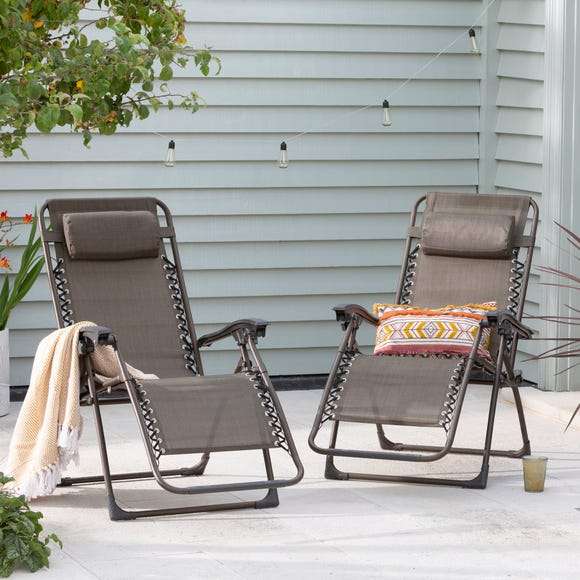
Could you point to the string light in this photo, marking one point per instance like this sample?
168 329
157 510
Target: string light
387 122
170 157
473 39
283 155
386 115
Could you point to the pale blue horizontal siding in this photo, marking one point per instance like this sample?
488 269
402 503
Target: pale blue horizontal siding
257 240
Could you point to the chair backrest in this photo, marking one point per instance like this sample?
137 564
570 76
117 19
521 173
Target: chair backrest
469 249
110 261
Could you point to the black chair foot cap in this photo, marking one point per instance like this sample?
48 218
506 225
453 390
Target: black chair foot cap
269 501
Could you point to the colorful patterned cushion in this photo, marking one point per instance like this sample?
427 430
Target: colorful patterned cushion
412 330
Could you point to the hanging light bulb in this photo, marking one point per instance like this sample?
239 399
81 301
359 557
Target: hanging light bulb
283 155
473 39
170 157
386 115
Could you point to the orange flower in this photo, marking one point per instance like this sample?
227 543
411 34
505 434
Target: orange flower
28 218
4 263
3 216
38 24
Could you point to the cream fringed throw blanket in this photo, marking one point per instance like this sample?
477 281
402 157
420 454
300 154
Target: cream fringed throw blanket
46 436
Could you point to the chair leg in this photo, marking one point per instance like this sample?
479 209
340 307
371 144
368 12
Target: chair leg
271 499
478 482
197 469
330 470
384 441
387 444
526 448
117 513
481 480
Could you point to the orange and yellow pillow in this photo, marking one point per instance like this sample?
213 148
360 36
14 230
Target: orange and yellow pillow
405 329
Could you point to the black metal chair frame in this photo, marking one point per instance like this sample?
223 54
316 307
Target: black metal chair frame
501 374
245 332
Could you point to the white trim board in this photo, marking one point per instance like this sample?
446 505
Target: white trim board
561 155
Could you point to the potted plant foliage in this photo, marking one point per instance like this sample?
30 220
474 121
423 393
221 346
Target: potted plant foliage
14 285
20 529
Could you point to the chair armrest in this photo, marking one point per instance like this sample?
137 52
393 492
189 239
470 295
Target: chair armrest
90 337
507 323
345 313
255 326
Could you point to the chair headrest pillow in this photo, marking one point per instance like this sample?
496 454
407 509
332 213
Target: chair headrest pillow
112 235
468 235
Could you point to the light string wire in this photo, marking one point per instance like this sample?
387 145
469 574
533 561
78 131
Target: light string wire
388 97
413 77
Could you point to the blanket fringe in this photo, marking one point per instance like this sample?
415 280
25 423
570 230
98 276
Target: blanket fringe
45 481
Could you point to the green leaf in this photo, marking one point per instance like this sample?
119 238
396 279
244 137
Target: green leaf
76 111
30 278
87 136
40 67
47 118
35 90
8 100
166 73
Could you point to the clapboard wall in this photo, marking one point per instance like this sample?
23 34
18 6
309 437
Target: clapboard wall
520 101
286 245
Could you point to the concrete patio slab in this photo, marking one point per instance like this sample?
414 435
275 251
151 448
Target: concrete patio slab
558 406
330 529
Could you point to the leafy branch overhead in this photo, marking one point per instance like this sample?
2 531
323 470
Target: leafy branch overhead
90 67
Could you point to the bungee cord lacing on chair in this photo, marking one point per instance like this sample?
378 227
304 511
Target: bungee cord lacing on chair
63 292
516 281
410 271
452 394
150 421
267 403
182 326
338 386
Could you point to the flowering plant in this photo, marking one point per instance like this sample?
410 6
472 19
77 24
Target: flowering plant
16 284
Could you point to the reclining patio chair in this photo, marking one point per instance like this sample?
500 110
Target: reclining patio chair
115 262
468 249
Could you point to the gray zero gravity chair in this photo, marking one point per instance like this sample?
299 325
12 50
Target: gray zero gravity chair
468 249
114 263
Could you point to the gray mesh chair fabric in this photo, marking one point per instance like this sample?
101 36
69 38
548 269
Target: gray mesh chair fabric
113 262
201 414
133 296
468 268
461 267
396 390
467 249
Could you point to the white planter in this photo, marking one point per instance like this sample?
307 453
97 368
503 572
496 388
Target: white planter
4 373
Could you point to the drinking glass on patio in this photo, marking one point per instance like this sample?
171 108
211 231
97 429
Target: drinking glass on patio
534 473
